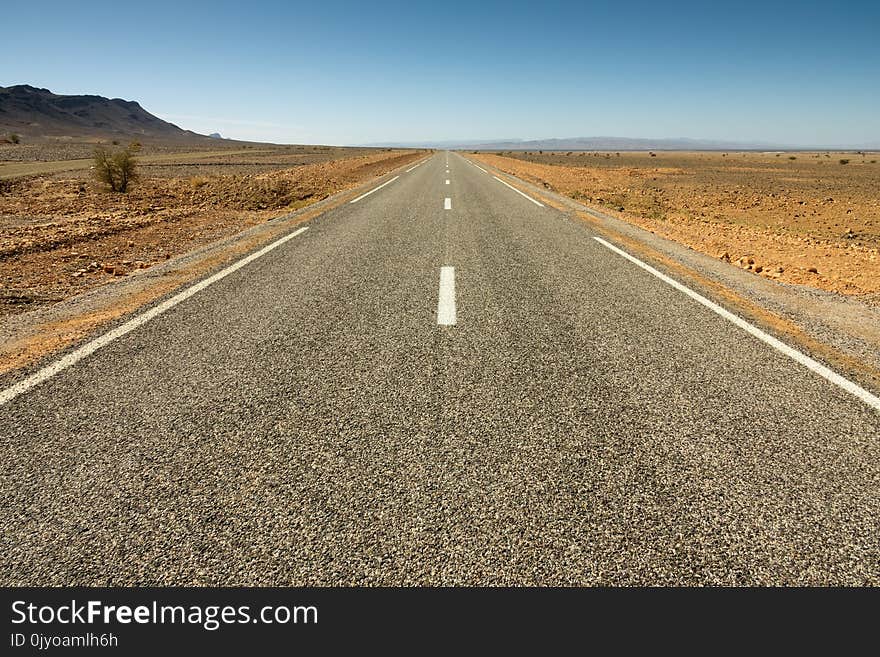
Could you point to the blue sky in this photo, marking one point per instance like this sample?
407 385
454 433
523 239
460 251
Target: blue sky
359 72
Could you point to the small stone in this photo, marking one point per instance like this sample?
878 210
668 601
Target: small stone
812 270
758 269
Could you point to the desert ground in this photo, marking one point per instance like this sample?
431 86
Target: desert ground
808 218
62 233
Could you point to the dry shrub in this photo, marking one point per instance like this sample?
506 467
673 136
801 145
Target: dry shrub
116 168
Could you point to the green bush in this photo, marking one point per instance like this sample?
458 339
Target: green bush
116 168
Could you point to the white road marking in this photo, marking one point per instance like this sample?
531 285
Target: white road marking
415 167
519 192
74 357
780 346
446 298
447 182
479 167
376 189
447 204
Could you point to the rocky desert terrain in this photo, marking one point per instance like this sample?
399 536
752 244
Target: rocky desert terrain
808 218
63 233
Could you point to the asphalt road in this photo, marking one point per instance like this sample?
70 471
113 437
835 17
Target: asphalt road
330 413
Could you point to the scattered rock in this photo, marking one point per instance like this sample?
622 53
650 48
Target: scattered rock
812 270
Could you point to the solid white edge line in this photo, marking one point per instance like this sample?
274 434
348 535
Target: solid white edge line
519 192
479 167
416 166
375 189
780 346
447 203
75 356
446 315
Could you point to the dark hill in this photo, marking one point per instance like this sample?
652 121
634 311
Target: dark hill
35 113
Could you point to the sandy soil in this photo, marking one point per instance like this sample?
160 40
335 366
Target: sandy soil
801 218
63 234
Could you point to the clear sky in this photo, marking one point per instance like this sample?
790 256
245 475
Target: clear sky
358 72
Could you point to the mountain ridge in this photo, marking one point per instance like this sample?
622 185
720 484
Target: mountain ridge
39 113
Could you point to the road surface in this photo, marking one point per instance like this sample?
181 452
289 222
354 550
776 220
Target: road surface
443 381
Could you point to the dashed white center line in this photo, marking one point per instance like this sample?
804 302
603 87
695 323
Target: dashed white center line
780 346
446 298
388 182
519 192
447 203
447 182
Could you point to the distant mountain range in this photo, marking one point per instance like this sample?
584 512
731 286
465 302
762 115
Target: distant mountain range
37 113
608 144
621 144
